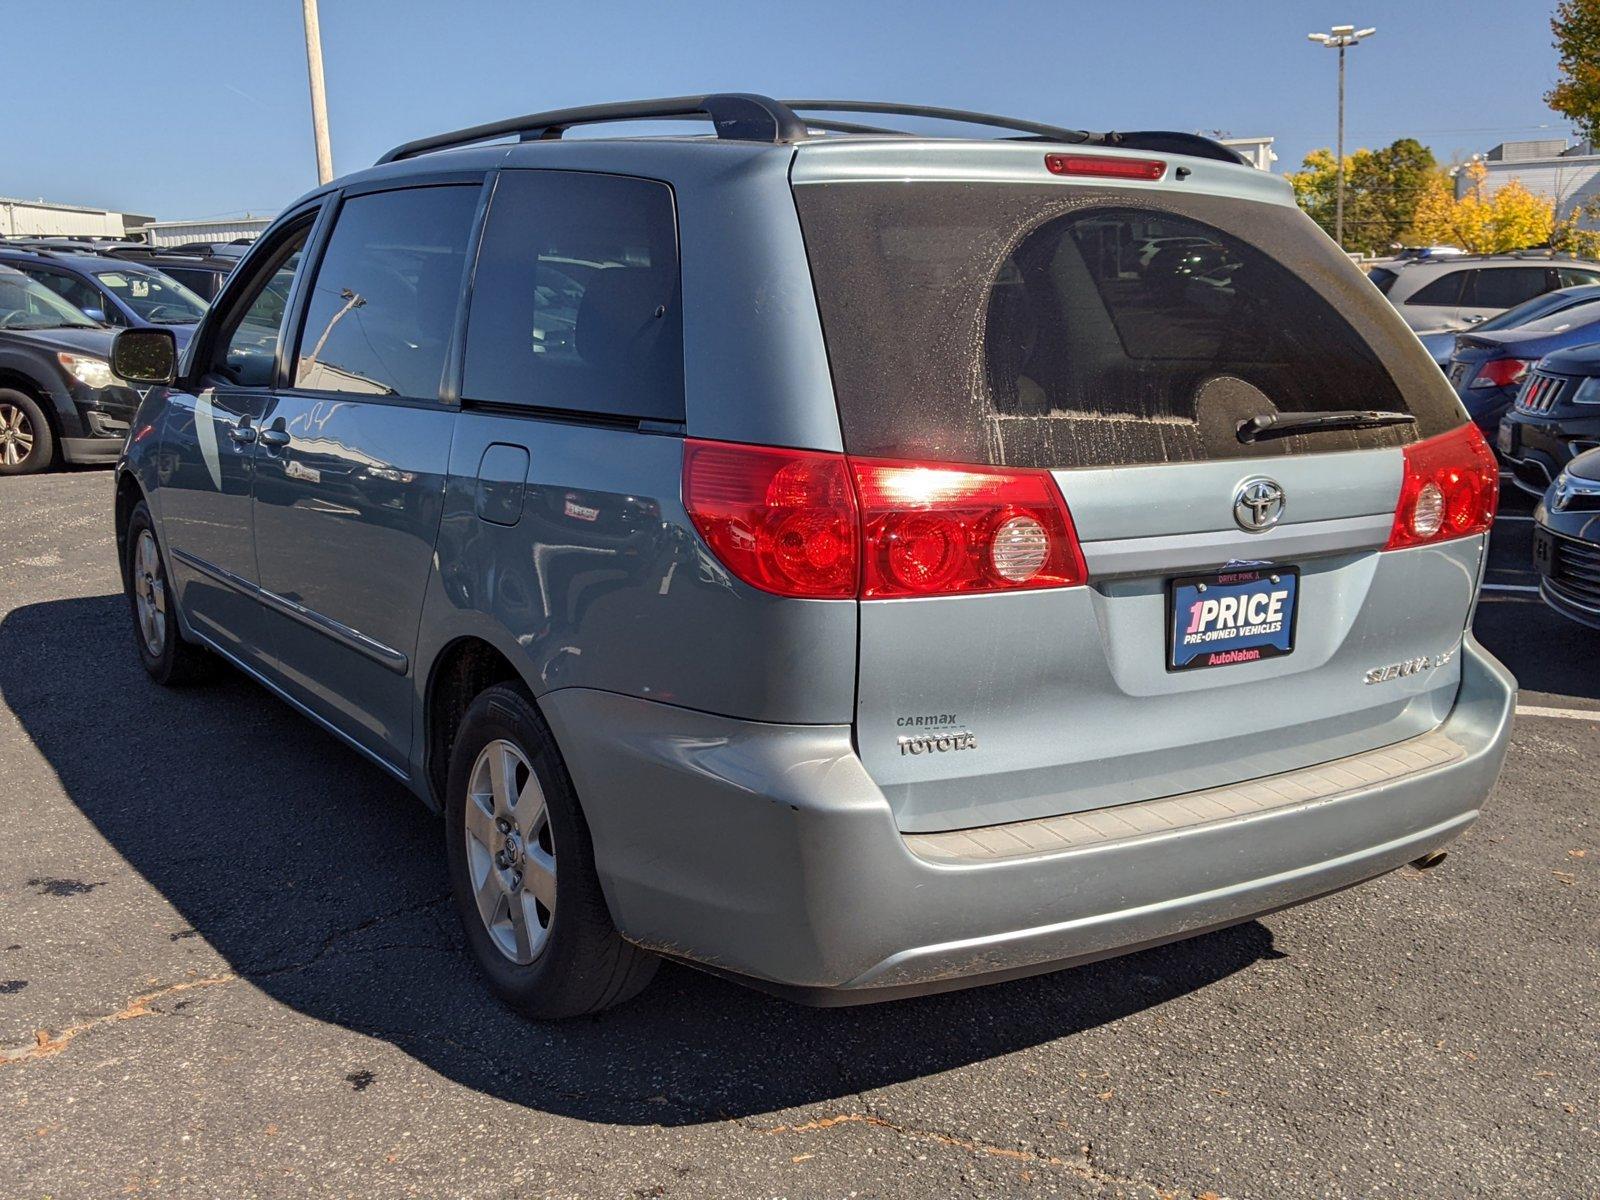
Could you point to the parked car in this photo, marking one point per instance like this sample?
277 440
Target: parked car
1566 541
1452 293
1441 343
236 248
202 274
1556 417
1488 368
59 401
112 292
856 587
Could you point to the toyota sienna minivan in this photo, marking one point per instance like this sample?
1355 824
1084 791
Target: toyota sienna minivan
856 562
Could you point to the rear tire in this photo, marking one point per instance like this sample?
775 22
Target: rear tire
522 868
169 658
27 443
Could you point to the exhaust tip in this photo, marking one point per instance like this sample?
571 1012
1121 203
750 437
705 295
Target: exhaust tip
1432 859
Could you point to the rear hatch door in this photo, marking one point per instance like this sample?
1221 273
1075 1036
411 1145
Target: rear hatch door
1117 336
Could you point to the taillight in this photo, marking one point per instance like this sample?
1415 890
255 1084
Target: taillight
933 529
1106 165
783 521
1501 372
1451 486
803 523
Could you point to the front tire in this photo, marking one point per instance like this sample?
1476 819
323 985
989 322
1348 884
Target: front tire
27 443
522 868
169 658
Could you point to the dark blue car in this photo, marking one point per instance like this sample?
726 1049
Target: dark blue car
1441 343
1488 367
112 291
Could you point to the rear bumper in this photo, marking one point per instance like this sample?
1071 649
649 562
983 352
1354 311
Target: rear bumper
766 851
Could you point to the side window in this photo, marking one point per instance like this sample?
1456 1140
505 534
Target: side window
1445 290
575 302
1501 287
74 291
247 351
1575 276
383 304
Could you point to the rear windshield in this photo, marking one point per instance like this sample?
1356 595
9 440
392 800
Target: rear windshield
1055 327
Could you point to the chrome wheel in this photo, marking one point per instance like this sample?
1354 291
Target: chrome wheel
150 593
511 855
16 436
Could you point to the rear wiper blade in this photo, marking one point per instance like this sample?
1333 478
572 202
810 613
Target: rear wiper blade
1272 425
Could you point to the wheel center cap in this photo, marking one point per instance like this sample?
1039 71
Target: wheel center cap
510 856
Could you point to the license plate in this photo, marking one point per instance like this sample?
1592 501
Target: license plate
1231 617
1544 548
1505 440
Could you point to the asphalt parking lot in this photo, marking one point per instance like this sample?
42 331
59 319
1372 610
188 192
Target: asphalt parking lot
228 968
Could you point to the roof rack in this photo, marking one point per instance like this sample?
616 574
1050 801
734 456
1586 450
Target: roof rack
743 116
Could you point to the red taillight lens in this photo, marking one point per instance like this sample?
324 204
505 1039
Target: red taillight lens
781 520
803 523
934 529
1105 165
1451 487
1501 372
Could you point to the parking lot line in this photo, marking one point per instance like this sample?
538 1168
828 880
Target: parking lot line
1510 587
1510 517
1569 714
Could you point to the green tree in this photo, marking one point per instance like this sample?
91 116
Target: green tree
1382 190
1576 95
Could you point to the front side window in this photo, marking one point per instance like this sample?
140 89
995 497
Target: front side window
26 304
575 302
249 350
383 303
74 291
1575 276
155 298
1501 287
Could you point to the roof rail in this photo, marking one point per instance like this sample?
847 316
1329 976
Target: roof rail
736 115
743 116
1051 133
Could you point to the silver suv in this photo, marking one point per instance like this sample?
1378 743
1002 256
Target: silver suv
1453 293
856 563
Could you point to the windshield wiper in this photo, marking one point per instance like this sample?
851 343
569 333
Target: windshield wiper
1283 424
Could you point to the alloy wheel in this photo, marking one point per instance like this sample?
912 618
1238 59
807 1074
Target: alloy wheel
150 593
16 436
511 856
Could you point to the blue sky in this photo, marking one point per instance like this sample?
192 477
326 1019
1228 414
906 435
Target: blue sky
194 108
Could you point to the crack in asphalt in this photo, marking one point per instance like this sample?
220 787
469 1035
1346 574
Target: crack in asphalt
48 1045
1083 1167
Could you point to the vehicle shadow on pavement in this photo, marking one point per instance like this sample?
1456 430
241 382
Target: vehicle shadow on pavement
321 881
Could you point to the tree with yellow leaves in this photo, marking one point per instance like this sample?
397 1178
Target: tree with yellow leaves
1513 218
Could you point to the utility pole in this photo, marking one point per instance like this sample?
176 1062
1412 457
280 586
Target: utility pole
319 99
1340 38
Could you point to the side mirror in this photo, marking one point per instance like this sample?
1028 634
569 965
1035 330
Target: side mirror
145 355
95 314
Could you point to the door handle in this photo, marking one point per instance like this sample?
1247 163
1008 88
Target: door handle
275 438
243 433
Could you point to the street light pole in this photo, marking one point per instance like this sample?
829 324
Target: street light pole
1341 38
319 99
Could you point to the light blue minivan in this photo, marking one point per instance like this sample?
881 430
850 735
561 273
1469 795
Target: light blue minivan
857 562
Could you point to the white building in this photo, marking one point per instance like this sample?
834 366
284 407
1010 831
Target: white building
176 233
42 218
1256 150
1568 175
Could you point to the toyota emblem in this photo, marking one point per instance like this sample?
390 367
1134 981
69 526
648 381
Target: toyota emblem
1258 504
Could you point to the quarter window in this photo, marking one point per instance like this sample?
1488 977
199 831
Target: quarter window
575 302
383 305
1444 291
